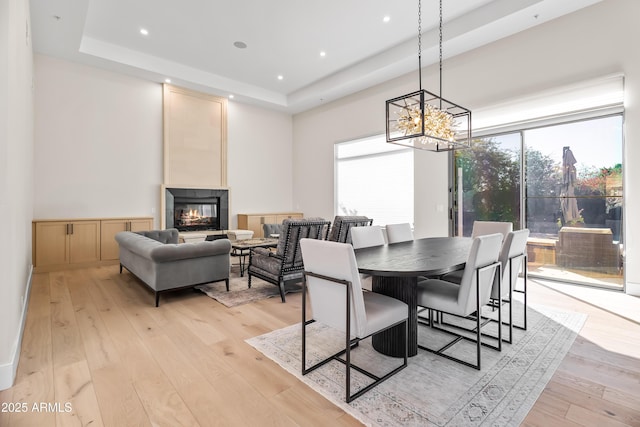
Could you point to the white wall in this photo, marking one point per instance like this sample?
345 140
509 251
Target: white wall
98 137
593 42
16 178
260 146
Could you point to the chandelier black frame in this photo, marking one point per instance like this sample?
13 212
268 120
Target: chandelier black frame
424 120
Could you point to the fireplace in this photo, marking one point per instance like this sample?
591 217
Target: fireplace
196 209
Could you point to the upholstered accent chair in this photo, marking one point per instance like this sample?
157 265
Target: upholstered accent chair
337 300
270 229
341 229
285 265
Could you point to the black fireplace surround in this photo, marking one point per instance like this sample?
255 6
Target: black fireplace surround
197 209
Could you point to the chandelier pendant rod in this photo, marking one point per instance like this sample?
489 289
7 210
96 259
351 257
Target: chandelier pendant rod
440 46
420 44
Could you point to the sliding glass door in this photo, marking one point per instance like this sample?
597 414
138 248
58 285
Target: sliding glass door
564 183
488 182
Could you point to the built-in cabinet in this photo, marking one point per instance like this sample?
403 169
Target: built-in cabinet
61 243
254 222
66 242
110 227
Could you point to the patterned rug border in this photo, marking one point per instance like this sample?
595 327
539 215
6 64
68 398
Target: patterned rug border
513 406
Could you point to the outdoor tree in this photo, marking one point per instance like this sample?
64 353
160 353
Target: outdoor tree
491 177
491 183
491 187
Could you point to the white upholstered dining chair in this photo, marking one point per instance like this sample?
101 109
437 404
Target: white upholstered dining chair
366 237
467 298
333 285
482 228
399 232
513 258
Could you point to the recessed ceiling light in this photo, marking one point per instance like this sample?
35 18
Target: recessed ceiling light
144 31
231 96
323 53
240 45
386 19
280 77
167 80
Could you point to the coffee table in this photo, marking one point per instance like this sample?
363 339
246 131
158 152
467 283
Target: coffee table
242 248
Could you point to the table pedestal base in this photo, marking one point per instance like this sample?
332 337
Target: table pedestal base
391 341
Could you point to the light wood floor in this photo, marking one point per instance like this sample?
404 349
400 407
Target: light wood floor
93 339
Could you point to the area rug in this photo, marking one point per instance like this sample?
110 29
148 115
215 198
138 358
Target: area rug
432 390
239 293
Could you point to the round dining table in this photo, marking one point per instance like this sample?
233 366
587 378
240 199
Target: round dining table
396 268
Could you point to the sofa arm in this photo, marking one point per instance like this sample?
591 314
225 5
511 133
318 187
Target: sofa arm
169 235
171 252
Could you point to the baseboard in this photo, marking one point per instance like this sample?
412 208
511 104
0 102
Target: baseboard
8 370
633 289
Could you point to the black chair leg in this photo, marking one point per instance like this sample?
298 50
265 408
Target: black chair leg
226 281
282 291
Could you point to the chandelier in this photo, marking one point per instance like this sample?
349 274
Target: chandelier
425 120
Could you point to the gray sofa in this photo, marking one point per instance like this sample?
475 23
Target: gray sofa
156 258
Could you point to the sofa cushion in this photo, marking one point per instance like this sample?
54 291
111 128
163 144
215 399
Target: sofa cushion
163 236
170 252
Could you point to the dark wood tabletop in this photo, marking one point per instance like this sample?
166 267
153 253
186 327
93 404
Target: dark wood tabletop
431 256
395 269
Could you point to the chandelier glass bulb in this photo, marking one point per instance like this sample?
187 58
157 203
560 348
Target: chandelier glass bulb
437 123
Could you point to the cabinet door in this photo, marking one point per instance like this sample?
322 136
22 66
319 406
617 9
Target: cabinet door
108 230
51 244
140 224
84 241
255 223
282 217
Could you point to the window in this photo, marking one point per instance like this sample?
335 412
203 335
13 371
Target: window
567 191
374 179
489 181
551 162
